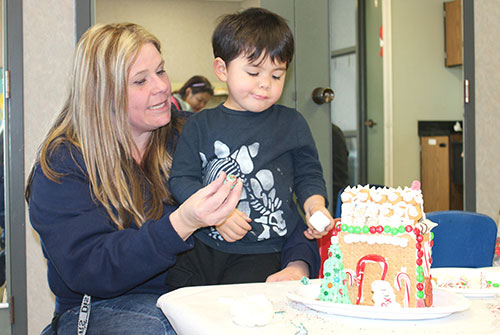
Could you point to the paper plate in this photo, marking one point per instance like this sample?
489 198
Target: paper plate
445 303
466 281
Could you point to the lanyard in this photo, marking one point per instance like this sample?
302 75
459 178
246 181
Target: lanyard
83 316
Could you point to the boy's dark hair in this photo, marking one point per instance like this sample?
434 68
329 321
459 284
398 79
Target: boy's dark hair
252 32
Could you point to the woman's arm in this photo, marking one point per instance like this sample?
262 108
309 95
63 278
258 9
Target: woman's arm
88 252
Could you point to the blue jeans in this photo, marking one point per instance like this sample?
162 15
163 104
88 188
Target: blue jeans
127 314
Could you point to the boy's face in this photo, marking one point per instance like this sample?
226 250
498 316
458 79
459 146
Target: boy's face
252 87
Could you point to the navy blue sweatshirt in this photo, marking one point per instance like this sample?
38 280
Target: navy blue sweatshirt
86 253
274 154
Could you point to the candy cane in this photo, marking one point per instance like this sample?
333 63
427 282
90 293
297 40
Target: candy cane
427 255
403 276
360 270
350 276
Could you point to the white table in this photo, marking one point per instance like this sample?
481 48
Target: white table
206 310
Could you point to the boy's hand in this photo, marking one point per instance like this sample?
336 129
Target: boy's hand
210 206
235 227
313 204
294 271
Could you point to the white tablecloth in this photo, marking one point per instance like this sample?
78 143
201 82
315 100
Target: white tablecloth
206 310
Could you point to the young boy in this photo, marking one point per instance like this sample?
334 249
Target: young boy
269 147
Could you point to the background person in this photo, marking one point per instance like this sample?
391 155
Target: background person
97 192
194 95
340 163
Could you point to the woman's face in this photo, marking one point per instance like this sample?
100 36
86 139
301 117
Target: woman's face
149 94
197 101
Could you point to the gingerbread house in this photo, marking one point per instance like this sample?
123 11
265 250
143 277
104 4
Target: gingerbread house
385 246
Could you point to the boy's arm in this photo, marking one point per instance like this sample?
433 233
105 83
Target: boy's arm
186 173
297 252
308 173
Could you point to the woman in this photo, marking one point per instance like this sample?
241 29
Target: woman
97 192
194 95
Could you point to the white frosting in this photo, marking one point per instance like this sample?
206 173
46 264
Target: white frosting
251 311
376 239
363 206
363 196
412 211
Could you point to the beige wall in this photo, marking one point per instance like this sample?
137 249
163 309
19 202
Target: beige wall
48 47
423 88
487 90
184 28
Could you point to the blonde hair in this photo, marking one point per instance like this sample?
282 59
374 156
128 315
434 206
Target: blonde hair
94 119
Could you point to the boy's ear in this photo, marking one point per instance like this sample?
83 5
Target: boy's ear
220 69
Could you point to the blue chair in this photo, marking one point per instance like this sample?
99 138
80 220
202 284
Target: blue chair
462 239
338 208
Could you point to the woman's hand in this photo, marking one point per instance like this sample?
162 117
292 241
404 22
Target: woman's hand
294 271
210 206
235 227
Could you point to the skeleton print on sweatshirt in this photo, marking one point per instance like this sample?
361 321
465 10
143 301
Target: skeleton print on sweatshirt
258 192
272 152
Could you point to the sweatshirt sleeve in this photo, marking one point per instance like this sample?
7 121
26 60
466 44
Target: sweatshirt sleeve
298 247
78 238
307 167
186 174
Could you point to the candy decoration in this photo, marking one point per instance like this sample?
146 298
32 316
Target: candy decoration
403 277
333 284
350 276
230 178
360 271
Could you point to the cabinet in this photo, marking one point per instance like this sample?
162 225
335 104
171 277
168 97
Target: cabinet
441 165
453 32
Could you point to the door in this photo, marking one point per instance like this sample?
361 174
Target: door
373 123
330 53
310 69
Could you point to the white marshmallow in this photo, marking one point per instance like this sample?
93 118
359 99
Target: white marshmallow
319 221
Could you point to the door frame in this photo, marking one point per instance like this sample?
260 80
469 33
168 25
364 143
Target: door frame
469 106
15 215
